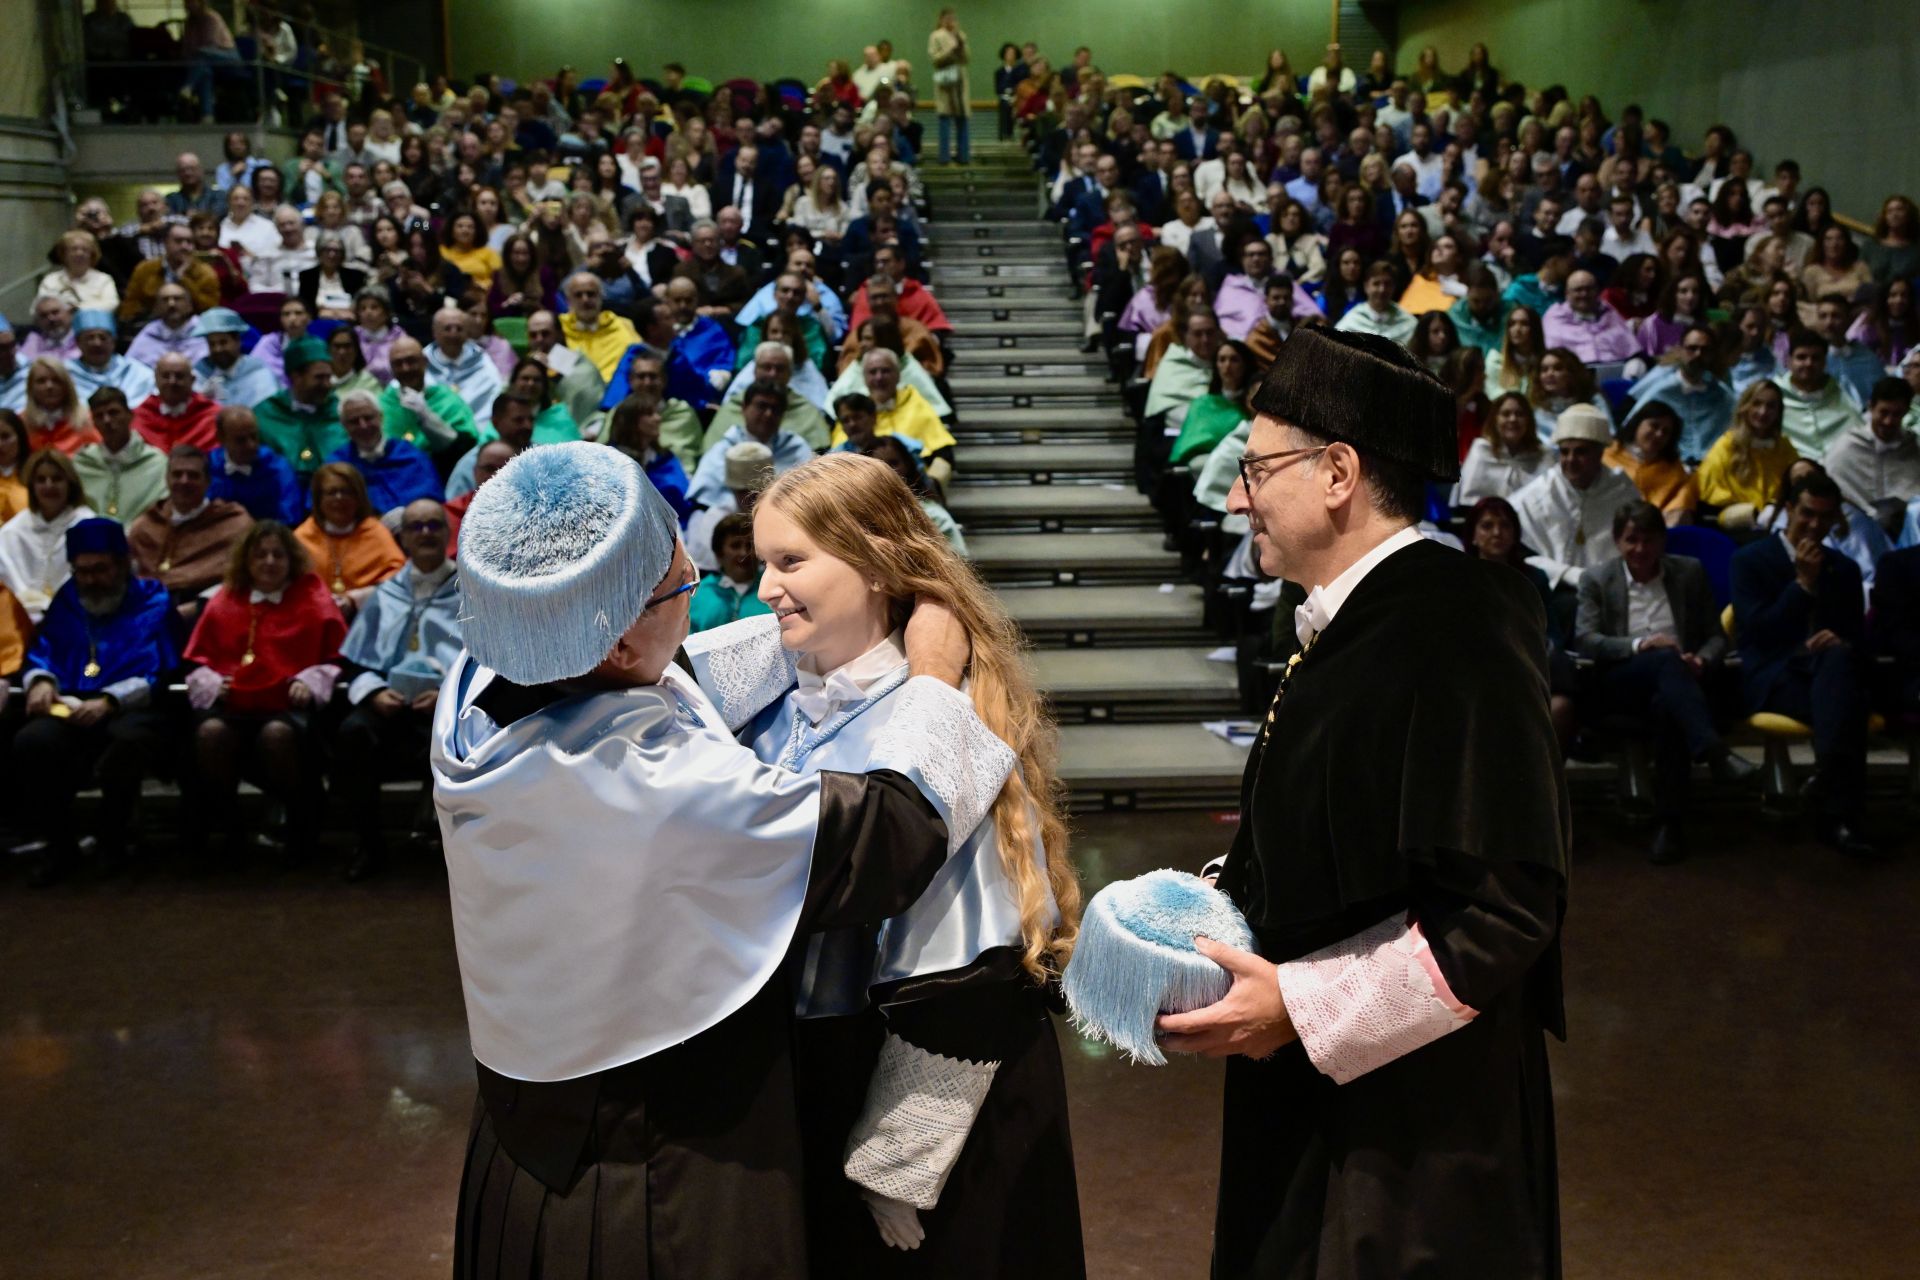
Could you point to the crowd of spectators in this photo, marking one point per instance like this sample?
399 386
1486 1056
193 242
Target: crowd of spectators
238 438
1627 329
285 381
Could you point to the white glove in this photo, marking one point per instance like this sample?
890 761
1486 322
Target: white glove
719 378
899 1222
412 400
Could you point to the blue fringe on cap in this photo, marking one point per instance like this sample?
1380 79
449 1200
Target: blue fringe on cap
1135 959
559 554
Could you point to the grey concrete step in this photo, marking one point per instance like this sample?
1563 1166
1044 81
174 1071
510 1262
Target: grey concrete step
960 215
1091 559
1015 231
1135 685
982 309
1109 617
962 252
1032 361
1048 463
1152 766
1012 291
1051 420
950 271
1015 333
1015 508
1002 383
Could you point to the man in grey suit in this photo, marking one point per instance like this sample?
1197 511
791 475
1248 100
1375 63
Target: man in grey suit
1649 622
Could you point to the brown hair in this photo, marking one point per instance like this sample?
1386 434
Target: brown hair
351 476
859 512
76 492
239 578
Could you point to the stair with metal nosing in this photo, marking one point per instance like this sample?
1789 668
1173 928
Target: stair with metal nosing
1043 487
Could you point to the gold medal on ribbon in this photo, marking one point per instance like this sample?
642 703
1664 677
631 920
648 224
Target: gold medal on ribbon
91 670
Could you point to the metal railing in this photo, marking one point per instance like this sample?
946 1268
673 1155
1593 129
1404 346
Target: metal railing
324 63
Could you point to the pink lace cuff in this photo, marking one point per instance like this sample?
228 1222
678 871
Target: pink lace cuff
319 680
1377 996
204 685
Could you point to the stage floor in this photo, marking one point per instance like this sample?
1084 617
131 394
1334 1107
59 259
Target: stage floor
264 1075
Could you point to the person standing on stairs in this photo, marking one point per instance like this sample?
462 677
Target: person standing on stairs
947 50
1387 1107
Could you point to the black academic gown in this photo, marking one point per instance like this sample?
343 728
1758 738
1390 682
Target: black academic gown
1011 1205
684 1165
1411 766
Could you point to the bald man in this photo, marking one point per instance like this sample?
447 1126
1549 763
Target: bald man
403 640
175 413
427 414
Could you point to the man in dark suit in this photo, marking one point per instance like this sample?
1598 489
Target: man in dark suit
1896 623
1085 157
1650 625
1799 619
1152 193
1199 140
1541 241
1089 209
741 184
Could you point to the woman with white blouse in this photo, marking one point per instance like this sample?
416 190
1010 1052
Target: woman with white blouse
680 183
821 210
383 141
78 280
1507 455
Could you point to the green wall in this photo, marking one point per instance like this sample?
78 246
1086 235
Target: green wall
764 39
1828 84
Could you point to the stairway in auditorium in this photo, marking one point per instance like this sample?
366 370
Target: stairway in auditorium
1043 487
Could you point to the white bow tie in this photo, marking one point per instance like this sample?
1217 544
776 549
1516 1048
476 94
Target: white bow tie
267 597
1310 618
819 697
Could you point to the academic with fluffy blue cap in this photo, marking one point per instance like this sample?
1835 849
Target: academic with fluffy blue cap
1400 861
628 883
103 646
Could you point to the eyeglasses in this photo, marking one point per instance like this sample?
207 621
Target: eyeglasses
424 526
1250 478
693 580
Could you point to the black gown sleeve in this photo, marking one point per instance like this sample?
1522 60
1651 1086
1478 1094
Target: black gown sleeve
879 845
1492 926
974 1012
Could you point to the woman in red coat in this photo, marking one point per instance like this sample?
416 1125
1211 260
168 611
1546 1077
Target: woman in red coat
264 659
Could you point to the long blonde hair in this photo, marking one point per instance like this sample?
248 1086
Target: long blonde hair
1740 462
858 511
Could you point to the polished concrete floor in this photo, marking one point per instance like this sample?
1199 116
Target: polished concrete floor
264 1075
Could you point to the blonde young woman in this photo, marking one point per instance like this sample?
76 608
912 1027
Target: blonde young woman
950 994
821 210
1742 470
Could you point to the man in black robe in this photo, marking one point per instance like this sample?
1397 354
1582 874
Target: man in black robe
1401 859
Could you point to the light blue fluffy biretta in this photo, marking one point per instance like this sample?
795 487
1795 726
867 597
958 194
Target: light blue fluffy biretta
559 553
1135 958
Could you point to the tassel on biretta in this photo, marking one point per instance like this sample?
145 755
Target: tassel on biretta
1135 959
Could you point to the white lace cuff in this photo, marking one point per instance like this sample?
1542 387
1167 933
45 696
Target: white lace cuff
1377 996
742 666
920 1107
934 738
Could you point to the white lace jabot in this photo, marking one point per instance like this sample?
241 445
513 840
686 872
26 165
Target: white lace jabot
819 696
